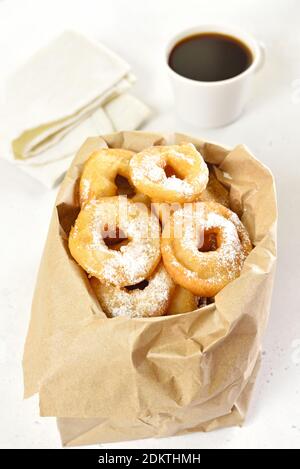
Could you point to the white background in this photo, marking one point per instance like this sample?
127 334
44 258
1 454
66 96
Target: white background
138 30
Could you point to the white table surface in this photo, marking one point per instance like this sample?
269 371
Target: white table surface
137 30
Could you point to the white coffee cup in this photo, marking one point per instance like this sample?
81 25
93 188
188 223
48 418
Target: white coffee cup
214 103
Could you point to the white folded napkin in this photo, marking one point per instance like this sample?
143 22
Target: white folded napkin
72 89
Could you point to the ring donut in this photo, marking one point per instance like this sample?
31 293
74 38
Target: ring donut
106 173
204 248
116 241
174 173
149 298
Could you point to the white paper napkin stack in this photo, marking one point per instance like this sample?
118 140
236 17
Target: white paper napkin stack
70 90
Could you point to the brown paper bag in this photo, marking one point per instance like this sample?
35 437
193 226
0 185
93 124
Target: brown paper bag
121 378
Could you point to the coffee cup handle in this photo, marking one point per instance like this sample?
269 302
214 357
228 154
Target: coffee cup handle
262 56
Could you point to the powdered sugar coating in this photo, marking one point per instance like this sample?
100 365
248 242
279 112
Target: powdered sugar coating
191 173
230 253
132 262
205 273
153 300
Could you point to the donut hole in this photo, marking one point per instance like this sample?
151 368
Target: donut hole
114 238
138 286
124 187
170 171
209 241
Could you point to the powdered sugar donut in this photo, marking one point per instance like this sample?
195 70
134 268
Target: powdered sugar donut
116 241
204 248
174 173
149 298
100 173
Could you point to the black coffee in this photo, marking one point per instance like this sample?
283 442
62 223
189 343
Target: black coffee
210 57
